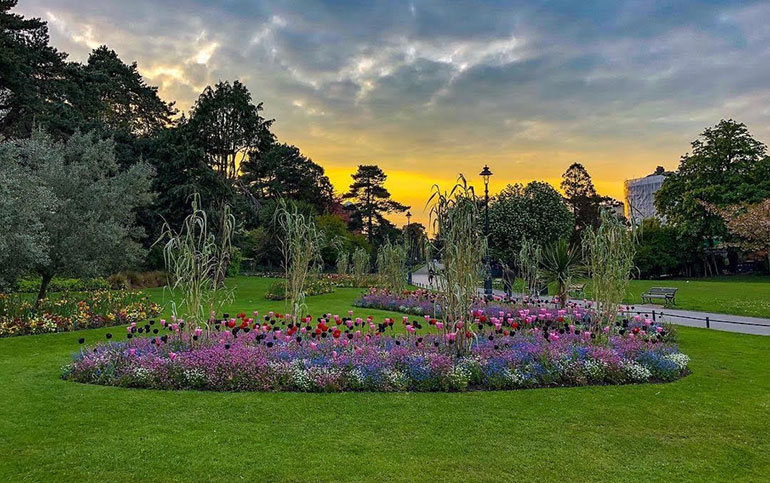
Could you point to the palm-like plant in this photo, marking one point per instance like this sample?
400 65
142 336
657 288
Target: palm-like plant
561 264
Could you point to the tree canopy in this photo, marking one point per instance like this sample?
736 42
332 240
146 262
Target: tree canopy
372 201
89 225
229 127
581 197
726 166
283 171
536 212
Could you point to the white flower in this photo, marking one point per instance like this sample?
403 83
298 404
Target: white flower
679 359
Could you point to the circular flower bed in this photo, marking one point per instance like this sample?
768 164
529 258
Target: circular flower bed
520 349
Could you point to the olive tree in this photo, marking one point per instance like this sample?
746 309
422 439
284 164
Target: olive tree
23 239
89 225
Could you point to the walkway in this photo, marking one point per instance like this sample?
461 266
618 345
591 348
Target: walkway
689 318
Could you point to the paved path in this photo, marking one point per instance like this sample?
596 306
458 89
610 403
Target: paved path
690 318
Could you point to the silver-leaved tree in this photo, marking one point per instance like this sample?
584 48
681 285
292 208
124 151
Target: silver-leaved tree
80 207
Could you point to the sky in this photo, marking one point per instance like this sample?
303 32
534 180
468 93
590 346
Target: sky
430 89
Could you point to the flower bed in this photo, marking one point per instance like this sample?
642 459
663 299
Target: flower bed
416 302
18 315
516 350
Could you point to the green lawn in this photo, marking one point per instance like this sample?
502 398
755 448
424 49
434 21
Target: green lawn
710 426
738 295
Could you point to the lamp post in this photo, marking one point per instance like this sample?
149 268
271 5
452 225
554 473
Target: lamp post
485 174
409 239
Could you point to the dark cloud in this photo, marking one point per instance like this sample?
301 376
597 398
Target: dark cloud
459 75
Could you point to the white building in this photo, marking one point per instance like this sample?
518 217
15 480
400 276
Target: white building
640 197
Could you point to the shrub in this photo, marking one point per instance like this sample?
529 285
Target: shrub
58 284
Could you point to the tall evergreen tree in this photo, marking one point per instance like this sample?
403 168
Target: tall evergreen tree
113 96
32 74
283 171
581 197
373 202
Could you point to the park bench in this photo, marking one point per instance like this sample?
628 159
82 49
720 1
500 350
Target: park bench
577 290
667 294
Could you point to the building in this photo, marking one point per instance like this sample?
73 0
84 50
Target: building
640 196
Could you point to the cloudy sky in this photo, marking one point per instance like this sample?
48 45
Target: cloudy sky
429 89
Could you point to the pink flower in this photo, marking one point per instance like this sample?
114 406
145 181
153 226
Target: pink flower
172 355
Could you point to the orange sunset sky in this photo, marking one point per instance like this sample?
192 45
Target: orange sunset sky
428 90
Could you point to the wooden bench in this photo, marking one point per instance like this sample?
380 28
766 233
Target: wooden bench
667 294
578 289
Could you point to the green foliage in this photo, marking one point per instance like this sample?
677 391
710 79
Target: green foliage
132 279
391 266
581 197
23 237
59 284
727 166
372 202
608 253
284 172
32 74
90 224
229 127
360 266
561 264
236 262
343 262
528 262
301 251
536 212
196 261
457 221
660 251
337 238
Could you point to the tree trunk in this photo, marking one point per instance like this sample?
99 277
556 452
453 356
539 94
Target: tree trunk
46 280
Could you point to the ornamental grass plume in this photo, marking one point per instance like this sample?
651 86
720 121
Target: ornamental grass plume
461 247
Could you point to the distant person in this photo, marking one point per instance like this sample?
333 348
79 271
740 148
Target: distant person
430 277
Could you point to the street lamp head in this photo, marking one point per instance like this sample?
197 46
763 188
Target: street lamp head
486 173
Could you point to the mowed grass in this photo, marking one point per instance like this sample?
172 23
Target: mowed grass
712 425
737 295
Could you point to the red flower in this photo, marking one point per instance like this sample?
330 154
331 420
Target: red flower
336 334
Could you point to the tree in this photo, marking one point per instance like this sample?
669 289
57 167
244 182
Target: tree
416 241
750 223
283 171
727 166
113 96
23 239
92 228
660 251
180 172
32 74
373 202
581 197
536 212
229 127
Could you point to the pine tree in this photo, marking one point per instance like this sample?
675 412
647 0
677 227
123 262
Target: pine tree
373 201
